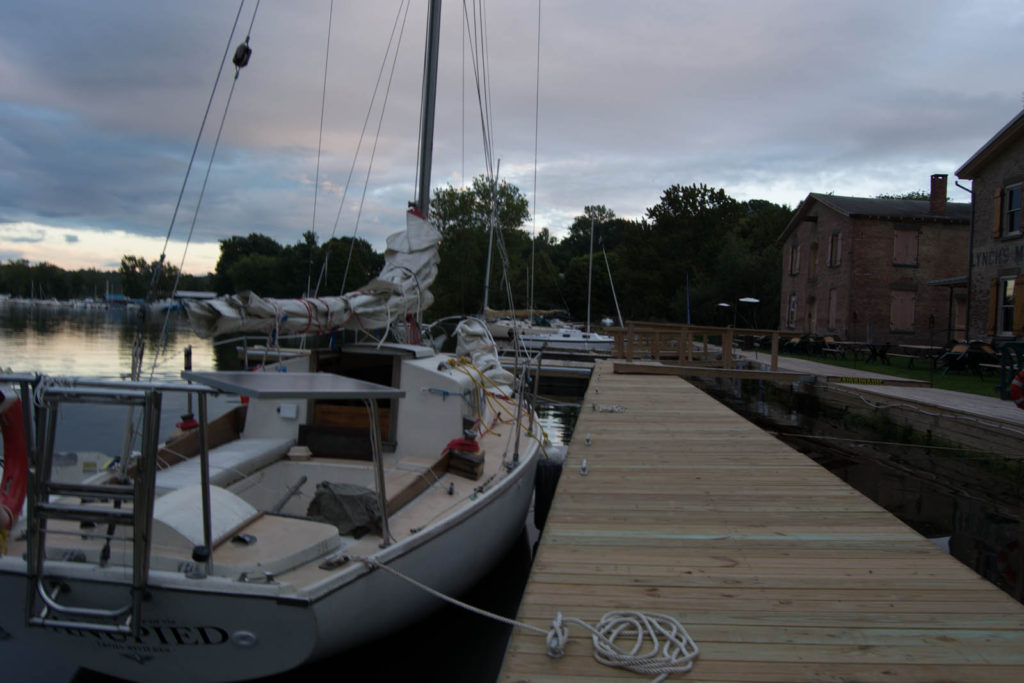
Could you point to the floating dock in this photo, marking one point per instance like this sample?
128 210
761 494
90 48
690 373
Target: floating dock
778 570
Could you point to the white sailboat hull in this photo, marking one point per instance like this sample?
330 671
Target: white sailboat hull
219 629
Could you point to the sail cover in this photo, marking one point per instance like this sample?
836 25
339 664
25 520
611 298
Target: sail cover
410 266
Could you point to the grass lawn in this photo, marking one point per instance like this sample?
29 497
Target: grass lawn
953 381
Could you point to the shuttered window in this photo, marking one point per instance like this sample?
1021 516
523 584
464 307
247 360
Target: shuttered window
794 259
904 247
833 307
791 312
835 249
901 310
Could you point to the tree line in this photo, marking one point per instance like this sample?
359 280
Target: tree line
696 249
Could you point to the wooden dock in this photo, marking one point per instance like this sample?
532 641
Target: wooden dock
778 570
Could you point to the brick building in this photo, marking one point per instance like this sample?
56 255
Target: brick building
996 267
860 269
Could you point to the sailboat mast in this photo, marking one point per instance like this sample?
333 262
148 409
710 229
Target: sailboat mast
427 107
590 271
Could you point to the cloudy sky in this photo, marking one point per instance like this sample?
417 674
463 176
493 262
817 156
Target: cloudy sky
101 102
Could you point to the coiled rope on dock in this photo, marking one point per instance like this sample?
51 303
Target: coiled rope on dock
661 646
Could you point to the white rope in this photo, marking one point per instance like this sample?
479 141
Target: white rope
661 646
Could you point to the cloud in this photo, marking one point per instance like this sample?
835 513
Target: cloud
20 233
100 105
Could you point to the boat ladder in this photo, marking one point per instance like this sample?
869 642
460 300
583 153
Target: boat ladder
114 604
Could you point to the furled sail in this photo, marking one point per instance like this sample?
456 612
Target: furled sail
403 287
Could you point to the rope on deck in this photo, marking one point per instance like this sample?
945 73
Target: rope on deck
661 646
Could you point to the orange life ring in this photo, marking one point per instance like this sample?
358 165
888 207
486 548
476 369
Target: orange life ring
1017 389
14 482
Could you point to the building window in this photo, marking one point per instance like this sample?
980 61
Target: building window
1011 209
904 247
1004 322
794 259
833 306
812 262
791 312
901 311
835 249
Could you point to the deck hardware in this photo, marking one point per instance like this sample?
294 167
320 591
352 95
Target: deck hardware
73 556
192 570
583 468
243 638
333 562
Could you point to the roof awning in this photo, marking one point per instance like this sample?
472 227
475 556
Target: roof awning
958 281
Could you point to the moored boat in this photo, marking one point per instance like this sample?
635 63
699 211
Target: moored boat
279 533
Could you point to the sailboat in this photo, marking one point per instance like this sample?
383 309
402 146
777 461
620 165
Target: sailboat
558 336
292 527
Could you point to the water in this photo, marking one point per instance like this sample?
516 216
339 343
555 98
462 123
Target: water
967 503
451 645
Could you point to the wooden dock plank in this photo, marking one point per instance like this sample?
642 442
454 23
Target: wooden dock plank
779 570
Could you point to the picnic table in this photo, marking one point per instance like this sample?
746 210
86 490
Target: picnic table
871 351
924 351
974 357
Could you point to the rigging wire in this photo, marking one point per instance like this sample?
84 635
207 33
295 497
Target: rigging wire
483 103
536 129
373 150
362 136
320 144
240 60
199 135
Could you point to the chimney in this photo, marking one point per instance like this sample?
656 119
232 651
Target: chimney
937 200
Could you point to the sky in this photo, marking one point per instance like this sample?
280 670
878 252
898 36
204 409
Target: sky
101 103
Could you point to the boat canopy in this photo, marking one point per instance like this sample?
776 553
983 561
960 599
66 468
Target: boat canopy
410 266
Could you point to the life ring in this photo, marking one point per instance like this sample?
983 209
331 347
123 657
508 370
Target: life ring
14 482
1017 389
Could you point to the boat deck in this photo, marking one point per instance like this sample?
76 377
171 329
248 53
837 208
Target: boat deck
778 569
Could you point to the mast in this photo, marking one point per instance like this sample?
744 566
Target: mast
490 241
422 202
590 271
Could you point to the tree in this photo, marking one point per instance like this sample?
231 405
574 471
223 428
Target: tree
463 216
913 194
138 282
235 248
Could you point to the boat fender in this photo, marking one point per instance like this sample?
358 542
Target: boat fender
13 484
1017 389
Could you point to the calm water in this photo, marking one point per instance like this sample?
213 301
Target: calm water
452 645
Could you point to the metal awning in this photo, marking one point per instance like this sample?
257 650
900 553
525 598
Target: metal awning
958 281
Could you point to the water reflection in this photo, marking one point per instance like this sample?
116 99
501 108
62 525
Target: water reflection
97 342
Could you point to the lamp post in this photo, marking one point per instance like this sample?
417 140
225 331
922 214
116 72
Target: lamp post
723 305
750 300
